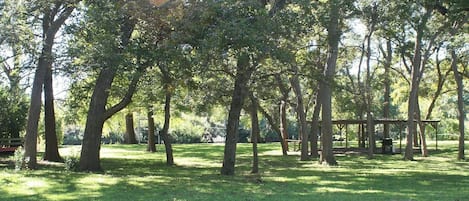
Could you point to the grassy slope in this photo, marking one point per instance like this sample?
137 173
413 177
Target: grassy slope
132 174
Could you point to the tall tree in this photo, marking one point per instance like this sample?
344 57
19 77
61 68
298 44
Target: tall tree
98 112
53 17
416 74
333 38
458 21
243 75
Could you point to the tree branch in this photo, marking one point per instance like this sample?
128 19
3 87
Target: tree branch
127 97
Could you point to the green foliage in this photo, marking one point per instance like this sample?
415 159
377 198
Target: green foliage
72 162
13 114
19 159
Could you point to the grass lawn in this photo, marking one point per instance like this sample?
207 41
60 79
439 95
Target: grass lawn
133 174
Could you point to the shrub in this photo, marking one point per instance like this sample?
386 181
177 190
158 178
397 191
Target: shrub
72 162
20 161
184 137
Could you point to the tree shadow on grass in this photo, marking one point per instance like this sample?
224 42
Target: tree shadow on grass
137 175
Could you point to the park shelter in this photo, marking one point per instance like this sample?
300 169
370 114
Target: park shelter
343 126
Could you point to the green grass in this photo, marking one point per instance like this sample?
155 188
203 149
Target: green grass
133 174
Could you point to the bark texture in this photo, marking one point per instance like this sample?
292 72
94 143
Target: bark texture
129 129
51 152
333 37
243 75
151 131
52 20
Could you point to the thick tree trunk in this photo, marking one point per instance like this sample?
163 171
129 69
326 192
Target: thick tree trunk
295 82
255 132
30 140
129 129
411 126
52 20
333 37
243 75
315 129
164 133
51 152
151 131
461 112
97 112
90 157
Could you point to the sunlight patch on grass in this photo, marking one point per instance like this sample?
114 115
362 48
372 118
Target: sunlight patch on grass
332 190
196 162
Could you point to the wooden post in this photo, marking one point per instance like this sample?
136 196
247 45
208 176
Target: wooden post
346 136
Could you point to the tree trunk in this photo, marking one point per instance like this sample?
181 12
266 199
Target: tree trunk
284 123
295 82
151 131
164 133
283 110
97 112
387 87
276 128
51 152
315 128
422 137
90 157
461 112
416 73
243 75
255 133
51 23
333 37
129 129
371 134
368 91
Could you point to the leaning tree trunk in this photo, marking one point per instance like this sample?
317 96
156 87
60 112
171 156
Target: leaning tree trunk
129 129
90 156
254 135
51 152
52 20
97 112
164 133
333 37
276 128
151 131
243 75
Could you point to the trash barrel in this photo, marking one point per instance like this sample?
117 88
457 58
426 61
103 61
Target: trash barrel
387 146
